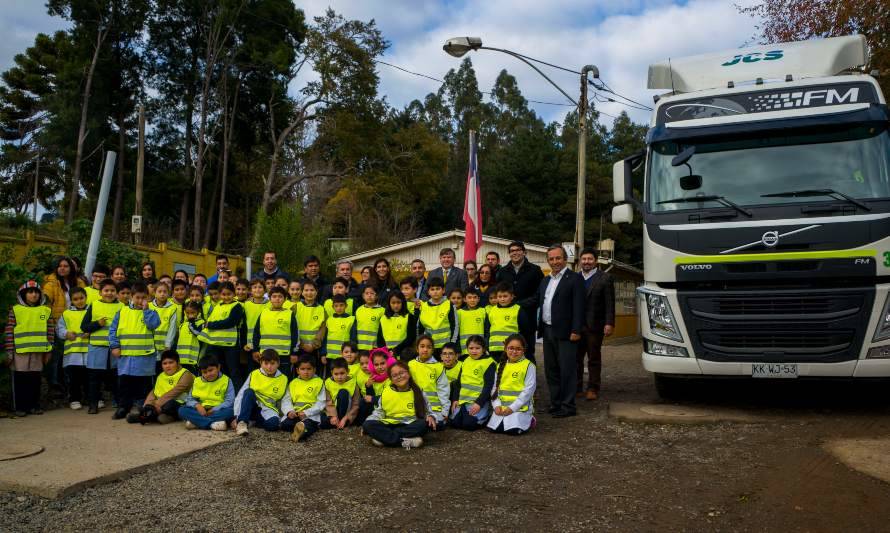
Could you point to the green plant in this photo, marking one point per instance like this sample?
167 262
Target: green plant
292 239
40 259
110 253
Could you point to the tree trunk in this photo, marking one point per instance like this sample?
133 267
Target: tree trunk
119 192
187 170
228 126
213 196
82 131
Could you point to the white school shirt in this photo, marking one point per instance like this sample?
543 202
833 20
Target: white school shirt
546 314
518 419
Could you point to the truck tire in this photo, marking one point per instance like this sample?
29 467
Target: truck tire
668 387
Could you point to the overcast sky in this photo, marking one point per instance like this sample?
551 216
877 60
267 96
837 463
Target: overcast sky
620 37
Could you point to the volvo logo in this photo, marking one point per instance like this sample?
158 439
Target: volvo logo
770 239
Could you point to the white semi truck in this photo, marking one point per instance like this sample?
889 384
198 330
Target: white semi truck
765 199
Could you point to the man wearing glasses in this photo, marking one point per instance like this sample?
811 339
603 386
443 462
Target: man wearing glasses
525 277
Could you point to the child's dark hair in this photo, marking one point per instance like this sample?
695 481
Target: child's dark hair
457 290
361 353
242 283
199 275
451 346
170 354
338 299
139 288
215 286
285 279
197 288
419 398
76 290
106 282
306 359
349 344
371 287
425 336
436 282
497 380
476 339
227 286
473 290
257 281
341 281
339 363
179 283
504 287
207 361
124 285
269 355
195 306
278 290
102 269
409 280
309 283
401 297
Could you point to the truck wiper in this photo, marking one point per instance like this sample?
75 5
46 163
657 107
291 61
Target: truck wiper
817 192
711 198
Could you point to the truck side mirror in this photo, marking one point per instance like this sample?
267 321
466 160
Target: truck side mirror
622 214
622 172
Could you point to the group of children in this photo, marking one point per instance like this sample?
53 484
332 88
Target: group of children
270 353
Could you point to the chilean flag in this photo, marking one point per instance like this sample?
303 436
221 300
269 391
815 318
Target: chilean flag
472 207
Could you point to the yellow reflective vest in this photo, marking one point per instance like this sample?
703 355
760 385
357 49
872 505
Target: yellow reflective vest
275 331
472 378
269 390
210 393
165 314
100 310
309 321
334 388
166 382
426 375
304 392
453 372
504 321
470 322
367 325
187 344
394 329
434 319
73 320
31 324
135 337
513 382
252 312
329 306
339 329
225 336
398 406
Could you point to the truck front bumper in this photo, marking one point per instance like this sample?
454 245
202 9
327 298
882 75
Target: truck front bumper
861 368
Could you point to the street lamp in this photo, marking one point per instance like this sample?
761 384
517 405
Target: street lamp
459 46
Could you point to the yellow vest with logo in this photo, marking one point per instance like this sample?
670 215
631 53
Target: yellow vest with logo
99 310
165 314
187 344
93 294
398 407
472 378
434 319
334 388
378 386
225 336
135 337
394 329
470 322
512 382
504 321
361 377
31 324
304 392
252 312
329 306
207 307
275 331
339 329
453 372
289 305
367 324
166 382
309 321
73 320
210 393
269 390
426 375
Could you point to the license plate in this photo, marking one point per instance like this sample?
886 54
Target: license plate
774 370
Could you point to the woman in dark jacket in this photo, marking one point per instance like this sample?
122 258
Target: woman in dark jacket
484 283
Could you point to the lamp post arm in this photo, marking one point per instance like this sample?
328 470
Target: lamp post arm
519 57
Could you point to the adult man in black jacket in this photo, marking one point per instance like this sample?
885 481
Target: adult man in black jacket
599 321
525 277
560 299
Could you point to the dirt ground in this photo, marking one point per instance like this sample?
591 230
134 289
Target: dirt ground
584 473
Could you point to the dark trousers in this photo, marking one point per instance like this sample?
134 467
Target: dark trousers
77 383
288 424
560 369
529 335
133 390
591 345
55 378
26 390
464 420
251 410
193 369
500 429
392 434
230 357
95 380
364 410
342 402
170 408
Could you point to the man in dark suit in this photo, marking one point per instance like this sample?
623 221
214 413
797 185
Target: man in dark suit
560 301
599 322
454 277
525 277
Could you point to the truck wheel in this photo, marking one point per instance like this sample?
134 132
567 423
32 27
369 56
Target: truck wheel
668 387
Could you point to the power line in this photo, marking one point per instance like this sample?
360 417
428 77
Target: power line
605 87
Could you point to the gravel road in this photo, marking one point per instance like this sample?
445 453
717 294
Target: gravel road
578 474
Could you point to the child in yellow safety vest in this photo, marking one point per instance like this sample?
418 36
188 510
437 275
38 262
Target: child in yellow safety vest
367 319
74 357
209 405
361 373
437 318
430 376
339 329
451 364
398 326
131 338
101 367
310 321
294 290
513 397
30 334
471 320
340 286
342 397
402 415
168 394
253 306
304 402
188 344
221 332
504 319
276 329
168 312
471 393
259 400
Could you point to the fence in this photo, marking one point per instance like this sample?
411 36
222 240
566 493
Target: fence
166 259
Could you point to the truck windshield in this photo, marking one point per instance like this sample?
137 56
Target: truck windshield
854 161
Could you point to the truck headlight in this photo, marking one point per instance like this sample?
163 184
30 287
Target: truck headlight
666 350
661 318
883 330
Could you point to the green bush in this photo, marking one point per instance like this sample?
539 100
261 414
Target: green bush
285 232
111 253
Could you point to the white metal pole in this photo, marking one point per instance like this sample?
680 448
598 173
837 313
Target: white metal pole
248 262
96 235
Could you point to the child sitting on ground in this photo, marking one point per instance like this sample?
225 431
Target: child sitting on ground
471 393
513 396
342 399
401 417
259 400
452 365
304 402
168 395
210 403
429 375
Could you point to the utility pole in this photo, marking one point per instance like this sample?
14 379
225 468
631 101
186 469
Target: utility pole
582 164
140 170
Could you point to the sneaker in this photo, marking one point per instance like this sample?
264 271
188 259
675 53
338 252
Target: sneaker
165 419
94 409
376 442
241 428
299 429
412 442
189 425
21 414
133 418
135 410
100 405
219 425
119 413
75 406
